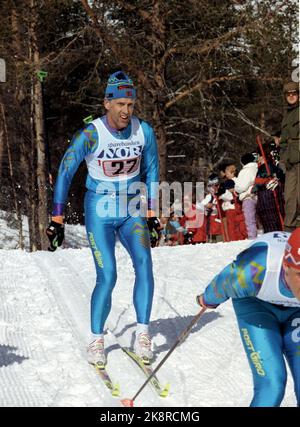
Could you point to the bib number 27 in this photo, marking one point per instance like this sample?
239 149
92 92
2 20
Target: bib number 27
114 168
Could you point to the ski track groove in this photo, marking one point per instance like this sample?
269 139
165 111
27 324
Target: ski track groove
70 316
14 392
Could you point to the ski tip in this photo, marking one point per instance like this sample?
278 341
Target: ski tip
165 391
116 390
128 403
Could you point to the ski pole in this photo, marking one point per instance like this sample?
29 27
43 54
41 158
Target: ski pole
259 143
129 402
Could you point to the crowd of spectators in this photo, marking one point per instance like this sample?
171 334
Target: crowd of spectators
260 195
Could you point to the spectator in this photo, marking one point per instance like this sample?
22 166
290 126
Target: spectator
177 207
209 205
231 172
226 171
174 231
243 186
269 203
193 221
221 170
232 207
290 155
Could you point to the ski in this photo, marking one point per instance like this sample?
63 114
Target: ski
102 373
147 369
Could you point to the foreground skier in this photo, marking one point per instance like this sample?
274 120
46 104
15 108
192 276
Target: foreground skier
264 284
120 150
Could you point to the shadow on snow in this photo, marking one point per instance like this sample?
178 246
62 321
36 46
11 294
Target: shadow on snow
8 356
170 329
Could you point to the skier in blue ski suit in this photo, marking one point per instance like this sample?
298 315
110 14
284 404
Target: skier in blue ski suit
264 284
121 154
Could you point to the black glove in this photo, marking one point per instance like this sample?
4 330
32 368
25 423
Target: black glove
56 234
153 224
154 230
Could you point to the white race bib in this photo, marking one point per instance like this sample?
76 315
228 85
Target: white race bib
116 159
270 289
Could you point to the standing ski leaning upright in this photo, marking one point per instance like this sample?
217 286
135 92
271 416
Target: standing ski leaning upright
120 151
264 284
290 155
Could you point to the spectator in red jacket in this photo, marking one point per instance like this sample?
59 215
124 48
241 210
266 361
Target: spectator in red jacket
232 207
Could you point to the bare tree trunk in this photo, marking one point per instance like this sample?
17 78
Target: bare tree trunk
26 163
12 177
27 145
42 219
42 208
17 49
1 147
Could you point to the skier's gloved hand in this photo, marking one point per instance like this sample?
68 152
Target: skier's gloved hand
153 224
56 234
154 230
200 301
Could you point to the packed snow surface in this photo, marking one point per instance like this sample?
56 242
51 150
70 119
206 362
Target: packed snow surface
44 330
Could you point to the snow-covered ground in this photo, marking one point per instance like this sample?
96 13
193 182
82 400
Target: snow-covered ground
75 234
44 329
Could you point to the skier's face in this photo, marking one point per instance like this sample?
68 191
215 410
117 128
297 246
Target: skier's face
292 277
119 112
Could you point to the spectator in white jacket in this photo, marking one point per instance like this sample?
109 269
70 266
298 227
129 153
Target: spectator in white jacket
243 186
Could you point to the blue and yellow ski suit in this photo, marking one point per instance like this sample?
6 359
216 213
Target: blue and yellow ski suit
116 161
268 315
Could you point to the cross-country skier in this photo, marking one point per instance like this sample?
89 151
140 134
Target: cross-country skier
264 284
120 151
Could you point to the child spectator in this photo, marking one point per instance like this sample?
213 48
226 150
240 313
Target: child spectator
174 231
193 222
209 205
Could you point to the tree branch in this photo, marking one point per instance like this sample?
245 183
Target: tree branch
212 44
213 80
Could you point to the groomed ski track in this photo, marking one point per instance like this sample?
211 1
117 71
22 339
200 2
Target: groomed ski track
44 329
